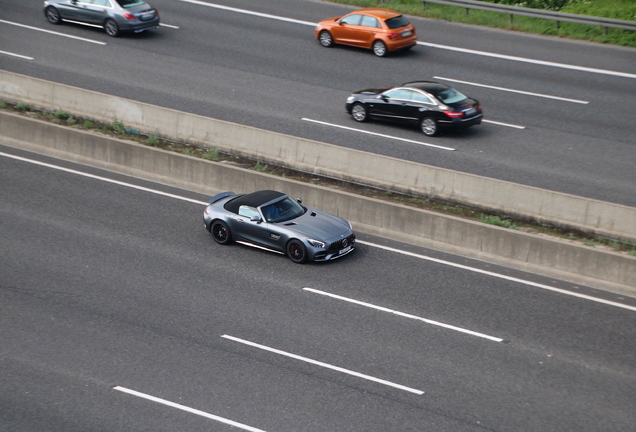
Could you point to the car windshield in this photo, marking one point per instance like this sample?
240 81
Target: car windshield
450 95
282 210
129 3
396 22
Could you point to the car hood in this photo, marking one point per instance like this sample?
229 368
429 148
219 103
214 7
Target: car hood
319 225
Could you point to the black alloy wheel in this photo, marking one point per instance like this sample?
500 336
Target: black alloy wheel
359 112
325 39
221 233
53 15
429 126
111 28
296 251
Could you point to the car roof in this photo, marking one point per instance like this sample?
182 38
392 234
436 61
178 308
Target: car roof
254 199
381 13
431 87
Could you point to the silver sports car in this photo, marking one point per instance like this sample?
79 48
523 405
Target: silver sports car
274 221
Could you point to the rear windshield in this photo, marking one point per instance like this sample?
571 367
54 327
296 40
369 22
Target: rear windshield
129 3
396 22
450 95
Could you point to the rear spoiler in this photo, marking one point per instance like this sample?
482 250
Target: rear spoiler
220 196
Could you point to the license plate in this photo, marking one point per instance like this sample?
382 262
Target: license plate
147 16
406 33
470 111
344 251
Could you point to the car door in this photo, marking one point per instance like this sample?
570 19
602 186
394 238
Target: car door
73 10
349 31
249 226
96 11
395 105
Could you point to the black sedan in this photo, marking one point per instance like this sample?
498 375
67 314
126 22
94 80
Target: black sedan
272 220
430 105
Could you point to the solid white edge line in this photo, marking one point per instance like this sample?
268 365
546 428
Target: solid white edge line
16 55
377 134
404 315
512 90
248 12
187 409
522 281
498 275
72 171
52 32
503 124
325 365
527 60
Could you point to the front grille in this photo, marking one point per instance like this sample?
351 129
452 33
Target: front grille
337 245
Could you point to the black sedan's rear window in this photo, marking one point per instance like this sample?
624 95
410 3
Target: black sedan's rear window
396 22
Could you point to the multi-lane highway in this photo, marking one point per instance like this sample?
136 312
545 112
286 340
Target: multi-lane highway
559 112
119 312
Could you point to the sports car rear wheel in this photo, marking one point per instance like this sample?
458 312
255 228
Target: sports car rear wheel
221 233
296 251
359 112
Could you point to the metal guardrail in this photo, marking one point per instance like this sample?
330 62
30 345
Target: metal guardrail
538 13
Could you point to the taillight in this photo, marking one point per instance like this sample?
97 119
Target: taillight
129 17
393 35
454 114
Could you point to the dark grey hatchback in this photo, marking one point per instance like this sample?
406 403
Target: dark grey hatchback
114 16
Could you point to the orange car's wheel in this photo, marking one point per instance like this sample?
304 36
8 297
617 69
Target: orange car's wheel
379 48
325 39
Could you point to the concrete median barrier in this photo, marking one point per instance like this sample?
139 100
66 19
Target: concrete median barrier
563 260
562 210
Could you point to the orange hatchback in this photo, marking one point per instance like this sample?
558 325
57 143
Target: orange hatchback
380 30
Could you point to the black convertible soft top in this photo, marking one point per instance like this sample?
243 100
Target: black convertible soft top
254 199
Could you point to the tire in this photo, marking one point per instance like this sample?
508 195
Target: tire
429 126
53 15
296 251
111 28
379 48
325 39
359 112
220 232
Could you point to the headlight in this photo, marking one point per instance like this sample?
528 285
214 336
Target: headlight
316 243
350 99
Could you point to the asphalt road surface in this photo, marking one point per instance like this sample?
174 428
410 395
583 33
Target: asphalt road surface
559 112
118 312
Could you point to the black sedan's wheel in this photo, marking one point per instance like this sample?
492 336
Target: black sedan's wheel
111 28
429 126
379 48
221 233
325 39
359 112
296 251
53 15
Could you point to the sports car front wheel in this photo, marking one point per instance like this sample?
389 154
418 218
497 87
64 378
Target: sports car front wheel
221 232
297 251
359 112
